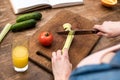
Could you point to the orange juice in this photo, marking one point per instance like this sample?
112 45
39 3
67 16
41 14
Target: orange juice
20 57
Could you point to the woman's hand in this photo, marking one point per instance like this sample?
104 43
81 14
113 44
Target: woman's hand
61 65
108 29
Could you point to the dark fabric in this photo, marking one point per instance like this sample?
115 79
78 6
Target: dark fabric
102 71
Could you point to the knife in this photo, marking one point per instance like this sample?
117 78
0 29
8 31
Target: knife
79 32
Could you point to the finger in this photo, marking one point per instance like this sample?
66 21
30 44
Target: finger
53 58
59 53
53 62
106 35
65 52
100 33
54 55
99 27
103 34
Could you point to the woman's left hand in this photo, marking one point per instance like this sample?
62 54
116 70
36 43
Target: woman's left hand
61 65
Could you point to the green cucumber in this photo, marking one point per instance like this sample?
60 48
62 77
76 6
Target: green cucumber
27 16
23 25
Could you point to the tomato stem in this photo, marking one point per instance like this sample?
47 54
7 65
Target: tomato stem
47 34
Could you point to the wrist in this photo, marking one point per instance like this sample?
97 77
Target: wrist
61 78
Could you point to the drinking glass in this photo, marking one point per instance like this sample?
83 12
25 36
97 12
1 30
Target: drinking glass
20 55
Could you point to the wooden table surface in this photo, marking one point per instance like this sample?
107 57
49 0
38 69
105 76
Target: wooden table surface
92 10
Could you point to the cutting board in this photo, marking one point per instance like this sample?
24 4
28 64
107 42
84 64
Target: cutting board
80 47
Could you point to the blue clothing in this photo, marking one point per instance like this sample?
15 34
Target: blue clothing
102 71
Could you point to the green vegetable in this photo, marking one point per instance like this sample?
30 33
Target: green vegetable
23 25
70 36
68 40
5 31
33 15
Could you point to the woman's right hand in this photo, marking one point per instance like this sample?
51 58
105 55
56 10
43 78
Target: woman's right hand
108 29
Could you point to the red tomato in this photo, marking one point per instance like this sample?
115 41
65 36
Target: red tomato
46 38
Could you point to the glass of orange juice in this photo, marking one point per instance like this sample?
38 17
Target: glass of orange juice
20 55
20 58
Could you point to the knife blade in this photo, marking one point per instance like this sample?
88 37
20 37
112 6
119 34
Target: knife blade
79 32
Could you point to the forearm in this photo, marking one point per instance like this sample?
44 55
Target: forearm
61 78
97 57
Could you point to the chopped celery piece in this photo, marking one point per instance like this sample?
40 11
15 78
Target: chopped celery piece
5 31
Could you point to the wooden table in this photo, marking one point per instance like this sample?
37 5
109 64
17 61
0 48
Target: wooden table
92 10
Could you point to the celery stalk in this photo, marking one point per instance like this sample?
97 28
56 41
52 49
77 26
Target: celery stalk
70 36
68 40
5 31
